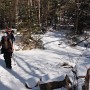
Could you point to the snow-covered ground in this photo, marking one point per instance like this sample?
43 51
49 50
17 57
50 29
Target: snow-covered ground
38 63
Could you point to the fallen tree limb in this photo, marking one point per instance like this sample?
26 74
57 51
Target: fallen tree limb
74 44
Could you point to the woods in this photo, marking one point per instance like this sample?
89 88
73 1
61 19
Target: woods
35 16
50 47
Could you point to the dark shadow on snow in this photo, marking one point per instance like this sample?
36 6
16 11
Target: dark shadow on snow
31 67
15 74
4 87
2 63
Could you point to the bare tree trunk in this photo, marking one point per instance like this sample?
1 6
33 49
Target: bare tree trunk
39 11
29 21
16 8
30 2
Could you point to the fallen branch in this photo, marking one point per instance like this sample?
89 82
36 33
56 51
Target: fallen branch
74 44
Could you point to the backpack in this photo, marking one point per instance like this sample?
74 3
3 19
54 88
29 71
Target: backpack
6 44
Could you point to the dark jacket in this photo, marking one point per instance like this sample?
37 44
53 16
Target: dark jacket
11 36
6 44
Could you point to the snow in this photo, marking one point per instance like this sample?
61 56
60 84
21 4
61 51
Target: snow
32 82
81 70
80 83
59 78
43 64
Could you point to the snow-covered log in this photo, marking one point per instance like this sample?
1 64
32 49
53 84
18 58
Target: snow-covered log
45 78
32 82
56 84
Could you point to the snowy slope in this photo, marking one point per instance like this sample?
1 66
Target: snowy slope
38 62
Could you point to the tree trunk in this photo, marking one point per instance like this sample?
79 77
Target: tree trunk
39 12
16 8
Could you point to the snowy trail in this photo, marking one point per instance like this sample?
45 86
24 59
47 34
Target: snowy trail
38 62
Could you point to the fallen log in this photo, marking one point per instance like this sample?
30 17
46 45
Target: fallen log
56 84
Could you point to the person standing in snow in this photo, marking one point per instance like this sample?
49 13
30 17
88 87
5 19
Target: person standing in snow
10 34
7 50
